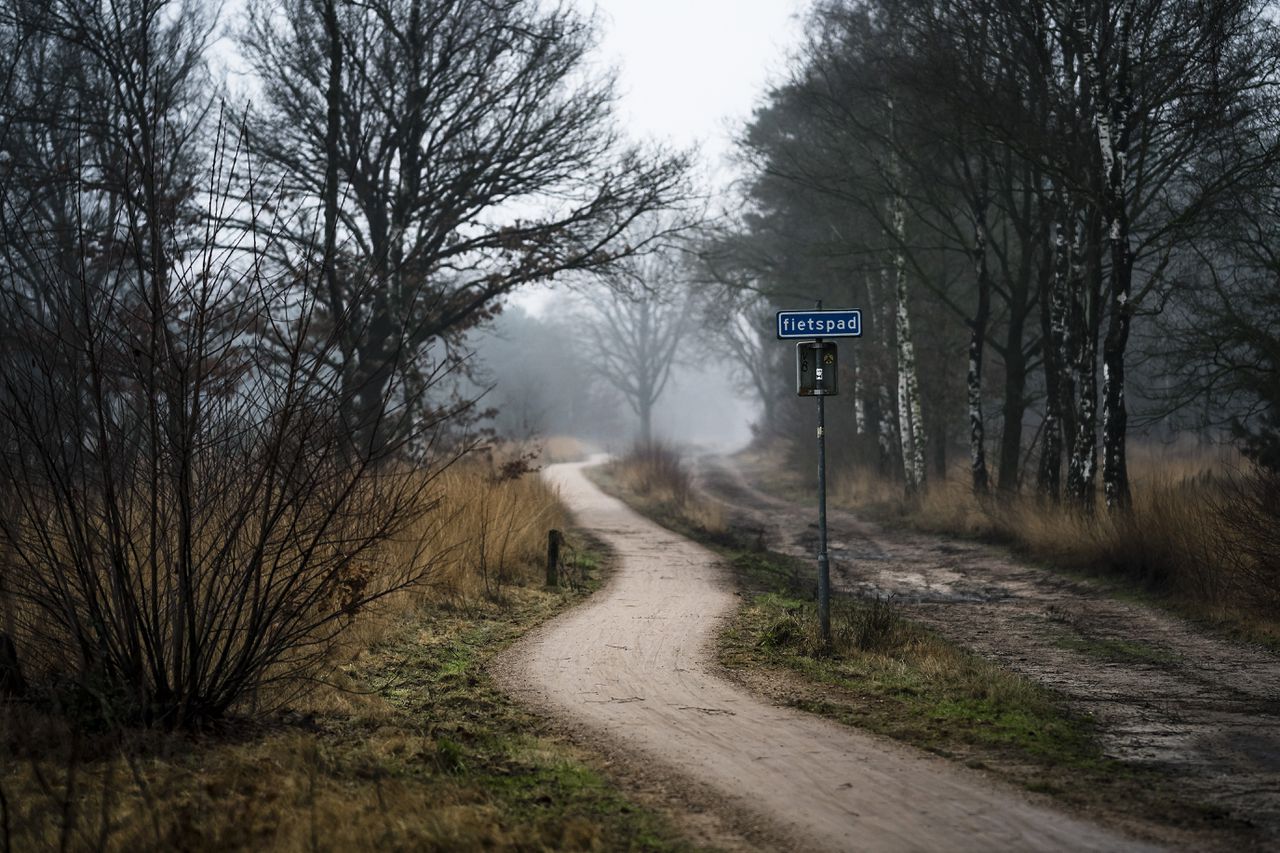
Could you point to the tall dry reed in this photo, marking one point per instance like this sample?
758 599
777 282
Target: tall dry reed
1195 532
655 475
488 531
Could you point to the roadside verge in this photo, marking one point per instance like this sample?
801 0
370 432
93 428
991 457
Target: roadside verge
636 665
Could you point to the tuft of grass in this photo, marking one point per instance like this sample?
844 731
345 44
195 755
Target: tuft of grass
652 477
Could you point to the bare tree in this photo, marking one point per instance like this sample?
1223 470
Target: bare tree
636 329
741 322
465 150
196 528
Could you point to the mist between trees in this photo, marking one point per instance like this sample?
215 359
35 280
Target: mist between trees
230 337
1057 217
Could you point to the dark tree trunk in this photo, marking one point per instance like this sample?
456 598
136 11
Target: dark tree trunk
1053 284
1015 397
646 423
938 449
333 127
11 681
977 344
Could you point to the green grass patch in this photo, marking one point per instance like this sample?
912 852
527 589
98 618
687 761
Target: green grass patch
436 672
895 678
1117 651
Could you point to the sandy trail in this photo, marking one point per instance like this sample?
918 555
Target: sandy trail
635 665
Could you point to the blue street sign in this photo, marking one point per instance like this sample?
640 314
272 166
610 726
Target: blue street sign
819 324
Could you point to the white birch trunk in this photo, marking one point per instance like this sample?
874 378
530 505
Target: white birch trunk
909 414
859 400
910 419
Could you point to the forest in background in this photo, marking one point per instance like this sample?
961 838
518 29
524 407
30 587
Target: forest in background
1057 218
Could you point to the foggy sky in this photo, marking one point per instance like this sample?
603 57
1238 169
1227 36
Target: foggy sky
691 70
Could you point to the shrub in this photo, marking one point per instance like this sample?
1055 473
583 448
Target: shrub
191 514
656 475
1249 510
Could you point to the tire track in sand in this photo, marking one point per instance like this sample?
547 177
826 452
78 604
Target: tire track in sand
636 666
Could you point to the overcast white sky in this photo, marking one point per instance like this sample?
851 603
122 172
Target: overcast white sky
691 70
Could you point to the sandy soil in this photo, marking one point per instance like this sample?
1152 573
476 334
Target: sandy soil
635 666
1162 691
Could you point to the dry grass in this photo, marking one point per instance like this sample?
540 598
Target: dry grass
562 448
487 535
654 478
406 744
1178 541
493 527
431 757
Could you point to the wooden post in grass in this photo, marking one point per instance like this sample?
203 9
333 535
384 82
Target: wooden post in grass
554 538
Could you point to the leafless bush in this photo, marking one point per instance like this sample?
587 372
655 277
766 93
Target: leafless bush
188 520
1250 513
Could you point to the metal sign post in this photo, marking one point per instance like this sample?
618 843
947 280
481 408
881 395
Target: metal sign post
824 571
817 369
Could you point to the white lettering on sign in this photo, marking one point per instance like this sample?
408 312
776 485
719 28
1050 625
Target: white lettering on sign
809 324
818 323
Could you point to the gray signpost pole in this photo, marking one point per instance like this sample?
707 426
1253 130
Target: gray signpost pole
824 574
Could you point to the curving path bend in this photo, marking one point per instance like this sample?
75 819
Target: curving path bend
636 665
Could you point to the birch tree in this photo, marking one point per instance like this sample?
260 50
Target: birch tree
910 418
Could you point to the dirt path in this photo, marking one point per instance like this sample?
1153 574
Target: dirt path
1161 691
635 666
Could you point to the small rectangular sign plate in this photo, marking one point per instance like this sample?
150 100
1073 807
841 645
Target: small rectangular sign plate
808 325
